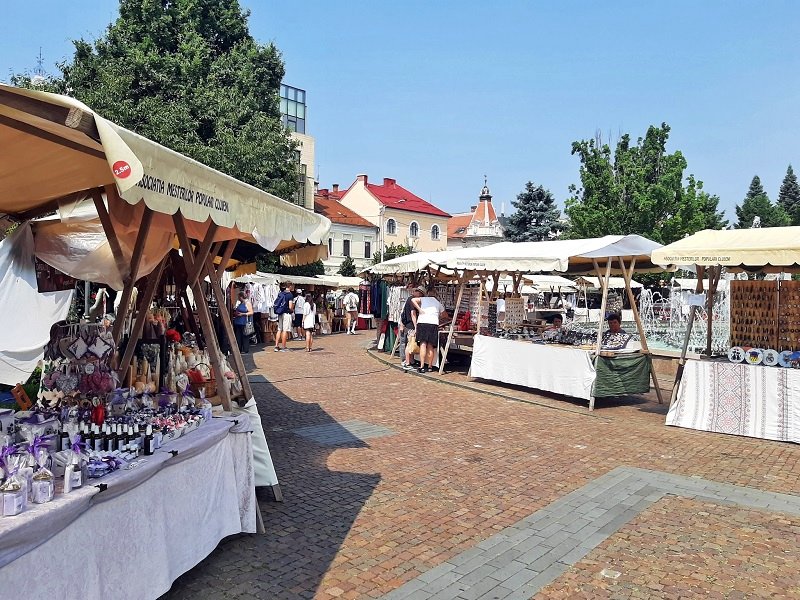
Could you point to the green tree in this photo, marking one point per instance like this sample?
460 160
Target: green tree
188 74
348 267
637 189
536 217
269 262
391 251
789 196
756 203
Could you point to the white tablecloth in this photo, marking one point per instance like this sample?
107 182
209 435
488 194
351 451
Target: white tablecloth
136 543
739 399
559 369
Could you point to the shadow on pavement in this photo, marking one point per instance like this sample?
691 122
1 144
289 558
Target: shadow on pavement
305 531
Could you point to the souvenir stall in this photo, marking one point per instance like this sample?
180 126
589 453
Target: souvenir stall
562 361
754 390
100 458
590 293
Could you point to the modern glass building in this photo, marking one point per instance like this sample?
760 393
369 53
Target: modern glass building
293 108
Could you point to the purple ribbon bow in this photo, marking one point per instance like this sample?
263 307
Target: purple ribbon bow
39 442
78 446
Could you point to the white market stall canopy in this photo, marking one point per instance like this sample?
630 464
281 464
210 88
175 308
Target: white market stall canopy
562 256
334 281
769 248
614 283
411 263
56 149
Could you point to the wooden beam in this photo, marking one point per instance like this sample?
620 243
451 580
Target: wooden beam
692 312
108 228
138 325
48 136
628 275
226 257
73 118
714 274
130 281
227 326
199 260
460 295
601 319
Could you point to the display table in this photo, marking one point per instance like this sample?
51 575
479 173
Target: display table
560 369
739 399
150 524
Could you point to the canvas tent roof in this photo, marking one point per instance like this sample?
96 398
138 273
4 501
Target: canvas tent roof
411 263
772 248
563 256
56 150
614 283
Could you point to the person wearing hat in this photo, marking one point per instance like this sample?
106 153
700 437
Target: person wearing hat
408 324
431 313
297 321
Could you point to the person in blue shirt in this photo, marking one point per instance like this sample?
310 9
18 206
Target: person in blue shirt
242 312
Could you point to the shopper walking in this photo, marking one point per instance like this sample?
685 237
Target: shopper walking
298 315
351 306
408 324
431 312
284 307
243 313
309 319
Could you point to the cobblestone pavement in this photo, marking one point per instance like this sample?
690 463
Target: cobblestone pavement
389 476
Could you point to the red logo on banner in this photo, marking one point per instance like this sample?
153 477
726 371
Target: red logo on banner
121 169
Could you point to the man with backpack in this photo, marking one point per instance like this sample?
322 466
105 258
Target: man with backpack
284 308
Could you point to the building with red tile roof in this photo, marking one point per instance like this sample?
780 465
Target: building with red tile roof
479 227
401 216
350 235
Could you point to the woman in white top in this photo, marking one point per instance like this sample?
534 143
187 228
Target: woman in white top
430 315
309 319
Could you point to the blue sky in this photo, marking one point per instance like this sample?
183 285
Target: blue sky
437 94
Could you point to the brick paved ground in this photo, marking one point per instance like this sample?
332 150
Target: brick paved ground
446 468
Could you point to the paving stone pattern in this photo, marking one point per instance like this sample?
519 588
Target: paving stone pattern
365 517
522 559
347 432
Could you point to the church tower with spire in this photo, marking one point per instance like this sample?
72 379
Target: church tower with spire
479 227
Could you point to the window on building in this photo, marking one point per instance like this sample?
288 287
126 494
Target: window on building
330 246
367 249
413 229
391 227
435 232
345 247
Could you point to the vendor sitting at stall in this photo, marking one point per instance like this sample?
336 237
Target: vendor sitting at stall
553 329
614 338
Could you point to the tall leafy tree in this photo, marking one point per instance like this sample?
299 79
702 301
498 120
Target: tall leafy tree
536 217
188 74
756 203
789 196
391 251
638 188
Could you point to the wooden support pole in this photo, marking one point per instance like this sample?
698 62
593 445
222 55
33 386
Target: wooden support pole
226 258
227 326
108 229
138 325
192 260
462 283
628 275
714 274
601 319
692 312
133 276
192 274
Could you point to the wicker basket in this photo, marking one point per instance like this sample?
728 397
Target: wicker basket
209 384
